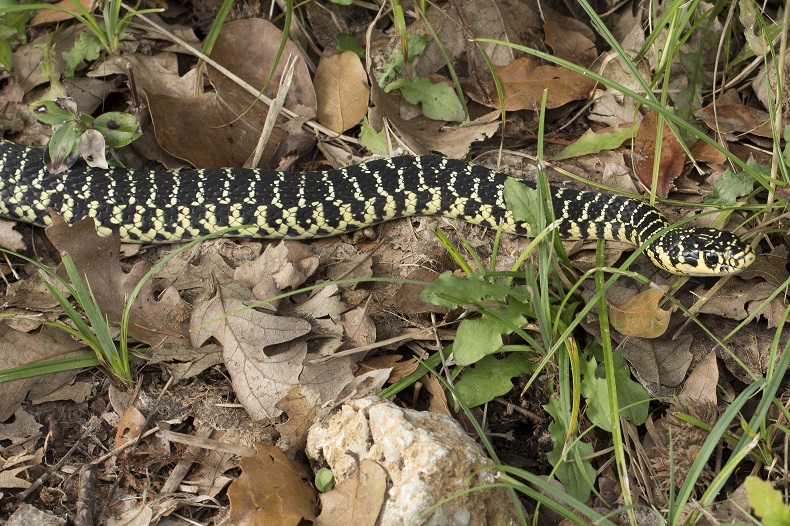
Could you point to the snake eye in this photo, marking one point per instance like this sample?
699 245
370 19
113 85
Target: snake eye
711 258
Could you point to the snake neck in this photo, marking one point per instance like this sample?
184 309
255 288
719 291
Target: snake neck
590 215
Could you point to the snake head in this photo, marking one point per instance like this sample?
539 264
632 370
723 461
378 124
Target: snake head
700 252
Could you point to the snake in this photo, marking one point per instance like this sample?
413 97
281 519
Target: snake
163 206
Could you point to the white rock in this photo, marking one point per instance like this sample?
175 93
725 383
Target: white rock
428 457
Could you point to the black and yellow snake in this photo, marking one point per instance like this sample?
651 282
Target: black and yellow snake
164 206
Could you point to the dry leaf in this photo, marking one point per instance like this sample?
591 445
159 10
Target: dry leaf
641 316
272 490
523 82
736 118
357 500
260 380
221 128
301 405
50 16
673 157
153 316
47 344
701 384
342 91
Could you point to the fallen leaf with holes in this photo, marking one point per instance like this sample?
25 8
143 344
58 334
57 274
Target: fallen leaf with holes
641 315
259 350
272 490
47 344
671 160
130 427
301 405
342 91
523 82
153 316
221 128
357 500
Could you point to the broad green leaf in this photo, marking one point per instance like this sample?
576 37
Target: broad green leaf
733 186
119 129
491 377
631 396
374 141
349 43
438 101
324 480
522 201
416 45
64 147
767 502
87 47
481 337
50 112
449 290
575 469
592 142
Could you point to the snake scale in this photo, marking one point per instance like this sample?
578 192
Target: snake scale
164 207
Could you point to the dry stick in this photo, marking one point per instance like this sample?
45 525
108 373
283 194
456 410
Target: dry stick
87 496
183 466
243 84
274 111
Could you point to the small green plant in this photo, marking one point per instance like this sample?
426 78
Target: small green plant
107 30
93 330
79 134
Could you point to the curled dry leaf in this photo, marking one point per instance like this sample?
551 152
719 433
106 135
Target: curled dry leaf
272 489
641 315
342 91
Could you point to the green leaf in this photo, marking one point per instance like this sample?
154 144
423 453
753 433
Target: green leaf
119 129
87 47
522 201
449 290
324 480
733 186
374 141
631 396
491 377
416 45
51 112
438 101
342 2
592 142
483 336
575 473
349 43
6 58
64 147
767 502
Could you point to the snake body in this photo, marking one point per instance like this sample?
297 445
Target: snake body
164 207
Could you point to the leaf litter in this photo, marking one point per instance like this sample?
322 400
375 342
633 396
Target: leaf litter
205 313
